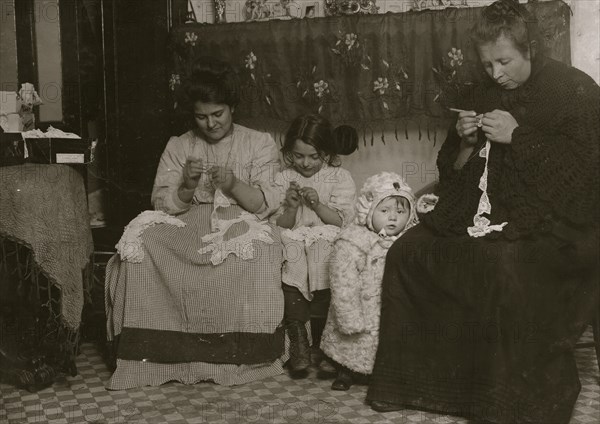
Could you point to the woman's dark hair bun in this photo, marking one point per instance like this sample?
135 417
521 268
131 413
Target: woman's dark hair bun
212 80
501 9
346 139
210 65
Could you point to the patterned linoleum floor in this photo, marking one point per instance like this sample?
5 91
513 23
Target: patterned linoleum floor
83 399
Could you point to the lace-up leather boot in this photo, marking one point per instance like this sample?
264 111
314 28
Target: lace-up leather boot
299 346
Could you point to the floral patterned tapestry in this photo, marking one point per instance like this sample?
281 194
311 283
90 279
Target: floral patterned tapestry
362 70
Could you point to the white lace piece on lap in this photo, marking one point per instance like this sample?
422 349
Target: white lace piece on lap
242 245
219 201
482 225
310 235
130 244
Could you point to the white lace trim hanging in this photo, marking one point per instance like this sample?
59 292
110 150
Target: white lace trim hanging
240 246
310 235
482 225
130 244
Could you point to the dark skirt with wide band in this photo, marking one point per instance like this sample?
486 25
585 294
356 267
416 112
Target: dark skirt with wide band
485 328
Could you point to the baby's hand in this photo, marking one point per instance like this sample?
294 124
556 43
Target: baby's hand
310 196
427 202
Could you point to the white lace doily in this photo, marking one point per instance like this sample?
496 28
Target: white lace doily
242 245
130 244
309 235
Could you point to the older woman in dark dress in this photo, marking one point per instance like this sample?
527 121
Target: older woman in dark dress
484 301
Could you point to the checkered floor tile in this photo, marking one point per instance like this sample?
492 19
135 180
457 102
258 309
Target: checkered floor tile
278 400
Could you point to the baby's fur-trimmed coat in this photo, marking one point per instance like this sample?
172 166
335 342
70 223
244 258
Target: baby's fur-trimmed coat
351 333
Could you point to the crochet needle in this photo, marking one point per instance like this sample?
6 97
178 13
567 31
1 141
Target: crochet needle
479 117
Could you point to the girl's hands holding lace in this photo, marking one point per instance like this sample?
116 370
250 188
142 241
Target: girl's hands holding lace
293 198
310 196
498 126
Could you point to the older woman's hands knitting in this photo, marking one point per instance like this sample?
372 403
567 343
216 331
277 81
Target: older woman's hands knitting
466 126
498 126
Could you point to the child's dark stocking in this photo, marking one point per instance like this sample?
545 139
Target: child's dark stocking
296 314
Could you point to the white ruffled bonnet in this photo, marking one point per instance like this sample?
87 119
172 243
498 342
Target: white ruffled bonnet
379 187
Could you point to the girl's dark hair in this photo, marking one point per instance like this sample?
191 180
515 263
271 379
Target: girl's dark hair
213 81
508 18
346 139
317 131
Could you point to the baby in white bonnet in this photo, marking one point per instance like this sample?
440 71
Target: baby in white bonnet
385 209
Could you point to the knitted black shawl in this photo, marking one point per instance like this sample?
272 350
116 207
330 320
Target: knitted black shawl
549 174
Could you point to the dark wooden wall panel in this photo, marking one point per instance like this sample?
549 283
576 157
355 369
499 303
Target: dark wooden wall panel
70 19
26 51
137 124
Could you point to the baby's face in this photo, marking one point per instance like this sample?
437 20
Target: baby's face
392 214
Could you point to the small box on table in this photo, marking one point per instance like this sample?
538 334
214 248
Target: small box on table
59 150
